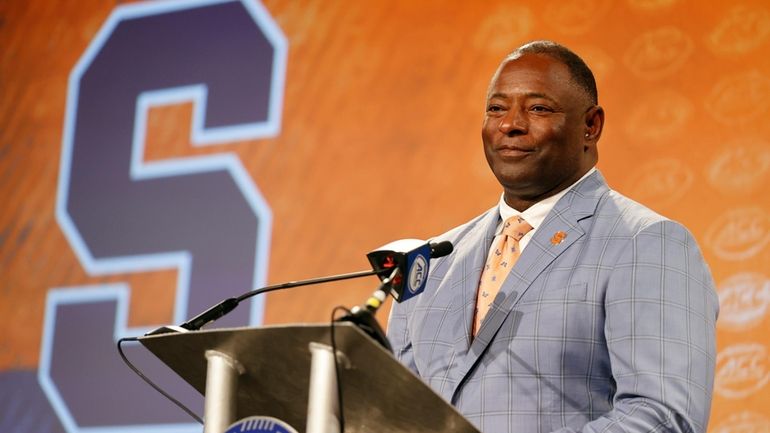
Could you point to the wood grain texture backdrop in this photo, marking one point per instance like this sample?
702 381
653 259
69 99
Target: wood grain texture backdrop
380 140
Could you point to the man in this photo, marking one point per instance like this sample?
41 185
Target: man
605 317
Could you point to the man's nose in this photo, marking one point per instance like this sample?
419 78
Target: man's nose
513 123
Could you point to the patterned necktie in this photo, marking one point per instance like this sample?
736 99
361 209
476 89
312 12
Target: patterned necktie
499 263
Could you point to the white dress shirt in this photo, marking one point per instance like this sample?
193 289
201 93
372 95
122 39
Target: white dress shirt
536 213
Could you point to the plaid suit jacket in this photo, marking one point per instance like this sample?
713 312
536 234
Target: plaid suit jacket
611 330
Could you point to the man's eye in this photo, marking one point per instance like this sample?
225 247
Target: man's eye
494 108
541 109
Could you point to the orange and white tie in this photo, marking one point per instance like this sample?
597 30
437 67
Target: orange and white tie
501 259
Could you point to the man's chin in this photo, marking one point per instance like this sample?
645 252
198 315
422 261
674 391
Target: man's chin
517 180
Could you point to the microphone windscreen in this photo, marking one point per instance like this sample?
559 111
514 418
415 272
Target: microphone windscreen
411 257
440 249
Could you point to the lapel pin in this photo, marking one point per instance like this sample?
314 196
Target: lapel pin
558 237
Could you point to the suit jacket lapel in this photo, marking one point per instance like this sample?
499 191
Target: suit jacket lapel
544 247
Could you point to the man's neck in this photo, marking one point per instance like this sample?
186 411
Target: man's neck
521 204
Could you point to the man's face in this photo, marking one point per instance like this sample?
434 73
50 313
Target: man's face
534 130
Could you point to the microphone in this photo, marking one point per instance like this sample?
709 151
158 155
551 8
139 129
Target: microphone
411 258
402 257
441 249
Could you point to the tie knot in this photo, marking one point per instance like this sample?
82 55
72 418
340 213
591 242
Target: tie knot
516 227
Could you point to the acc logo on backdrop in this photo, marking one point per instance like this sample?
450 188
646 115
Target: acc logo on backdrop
503 28
740 98
658 53
741 370
743 300
743 422
661 182
574 17
739 234
741 167
669 111
743 29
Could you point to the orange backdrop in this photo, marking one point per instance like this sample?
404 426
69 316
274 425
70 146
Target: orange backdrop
380 140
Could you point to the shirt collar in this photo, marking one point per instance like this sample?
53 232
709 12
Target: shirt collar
535 214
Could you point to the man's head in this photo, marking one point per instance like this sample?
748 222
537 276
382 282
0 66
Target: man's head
542 122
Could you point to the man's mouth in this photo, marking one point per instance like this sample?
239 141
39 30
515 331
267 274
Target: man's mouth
513 151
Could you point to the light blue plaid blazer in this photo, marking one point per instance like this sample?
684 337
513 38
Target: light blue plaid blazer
611 330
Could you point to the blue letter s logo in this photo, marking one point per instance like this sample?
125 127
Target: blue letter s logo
202 216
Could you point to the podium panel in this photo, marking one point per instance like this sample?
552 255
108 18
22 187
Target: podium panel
379 394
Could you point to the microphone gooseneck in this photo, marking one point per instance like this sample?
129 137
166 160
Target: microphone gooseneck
395 272
405 259
229 304
363 317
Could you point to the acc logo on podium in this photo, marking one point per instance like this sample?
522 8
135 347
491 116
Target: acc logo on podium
260 424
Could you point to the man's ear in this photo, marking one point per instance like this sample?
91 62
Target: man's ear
594 121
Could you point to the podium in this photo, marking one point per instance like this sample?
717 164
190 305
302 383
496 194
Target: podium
267 371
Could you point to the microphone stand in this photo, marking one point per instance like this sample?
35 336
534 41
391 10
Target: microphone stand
439 249
229 304
363 317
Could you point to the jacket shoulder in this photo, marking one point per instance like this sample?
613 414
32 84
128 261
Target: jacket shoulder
633 216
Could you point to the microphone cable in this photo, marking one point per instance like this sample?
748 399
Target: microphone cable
198 419
151 383
225 307
370 307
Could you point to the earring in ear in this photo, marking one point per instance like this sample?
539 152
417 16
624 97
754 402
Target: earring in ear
587 134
